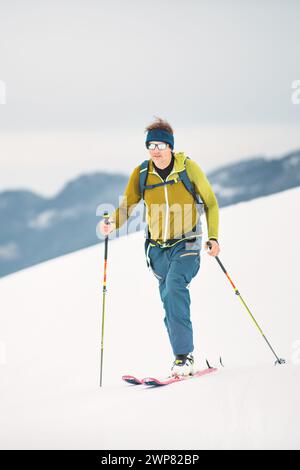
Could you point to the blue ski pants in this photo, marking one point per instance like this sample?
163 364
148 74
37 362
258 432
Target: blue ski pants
174 268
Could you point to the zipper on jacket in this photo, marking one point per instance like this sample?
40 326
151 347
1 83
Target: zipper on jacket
167 213
167 203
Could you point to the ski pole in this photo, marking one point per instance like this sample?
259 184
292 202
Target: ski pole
278 361
106 217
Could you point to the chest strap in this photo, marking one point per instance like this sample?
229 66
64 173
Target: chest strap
151 186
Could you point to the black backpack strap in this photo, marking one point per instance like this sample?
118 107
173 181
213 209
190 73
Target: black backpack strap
190 187
143 176
183 177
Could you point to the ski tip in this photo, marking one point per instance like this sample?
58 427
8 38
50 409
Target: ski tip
131 380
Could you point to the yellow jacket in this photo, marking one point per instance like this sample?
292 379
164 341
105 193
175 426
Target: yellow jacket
171 209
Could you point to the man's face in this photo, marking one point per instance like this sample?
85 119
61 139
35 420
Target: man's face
160 157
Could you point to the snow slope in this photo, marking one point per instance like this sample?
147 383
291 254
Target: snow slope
50 329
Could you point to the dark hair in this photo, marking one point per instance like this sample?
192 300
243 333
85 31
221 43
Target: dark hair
160 124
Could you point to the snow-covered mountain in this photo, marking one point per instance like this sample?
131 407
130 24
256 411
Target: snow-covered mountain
34 229
50 330
255 177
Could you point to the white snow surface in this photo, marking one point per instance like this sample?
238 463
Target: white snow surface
50 332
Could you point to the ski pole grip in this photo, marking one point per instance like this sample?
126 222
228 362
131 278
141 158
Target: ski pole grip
106 218
209 244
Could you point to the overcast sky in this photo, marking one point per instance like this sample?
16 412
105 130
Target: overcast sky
109 66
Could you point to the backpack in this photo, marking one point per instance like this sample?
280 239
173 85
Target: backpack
185 180
183 177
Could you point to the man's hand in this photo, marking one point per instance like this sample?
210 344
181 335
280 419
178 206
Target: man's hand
107 228
214 250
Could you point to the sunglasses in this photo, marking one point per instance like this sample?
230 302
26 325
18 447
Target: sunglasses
160 146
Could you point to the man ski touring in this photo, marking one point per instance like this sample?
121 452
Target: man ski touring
174 190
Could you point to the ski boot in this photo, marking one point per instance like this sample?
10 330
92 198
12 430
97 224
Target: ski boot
183 365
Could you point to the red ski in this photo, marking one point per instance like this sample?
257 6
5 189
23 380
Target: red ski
151 381
158 383
132 380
